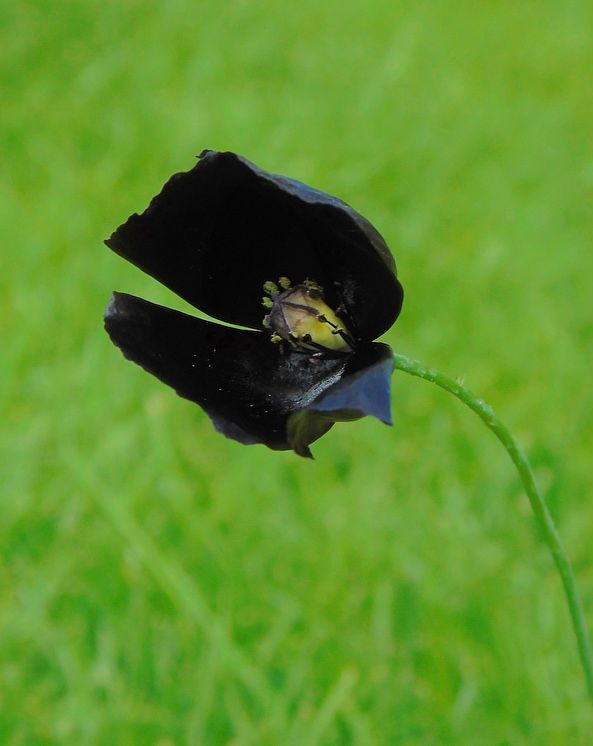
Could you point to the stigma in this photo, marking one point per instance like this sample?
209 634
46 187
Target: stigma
300 316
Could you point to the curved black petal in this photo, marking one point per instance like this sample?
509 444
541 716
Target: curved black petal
364 389
243 381
216 233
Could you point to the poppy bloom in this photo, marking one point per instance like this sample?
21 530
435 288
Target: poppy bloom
223 235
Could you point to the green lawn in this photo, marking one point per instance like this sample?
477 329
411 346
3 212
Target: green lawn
161 585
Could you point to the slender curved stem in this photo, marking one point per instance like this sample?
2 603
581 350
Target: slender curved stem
538 505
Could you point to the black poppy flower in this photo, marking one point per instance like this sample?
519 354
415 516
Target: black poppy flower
310 282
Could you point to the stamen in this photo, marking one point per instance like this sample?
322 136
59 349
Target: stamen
312 285
271 288
346 337
284 283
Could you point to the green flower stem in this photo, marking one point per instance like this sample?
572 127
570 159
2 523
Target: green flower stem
538 505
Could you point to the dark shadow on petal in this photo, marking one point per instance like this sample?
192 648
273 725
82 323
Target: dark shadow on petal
364 389
245 383
216 233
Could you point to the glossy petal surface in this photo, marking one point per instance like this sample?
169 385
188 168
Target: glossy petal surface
364 389
216 233
243 381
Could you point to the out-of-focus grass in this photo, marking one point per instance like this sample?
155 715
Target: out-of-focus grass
161 585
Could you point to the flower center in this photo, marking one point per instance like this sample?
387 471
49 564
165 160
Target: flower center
300 316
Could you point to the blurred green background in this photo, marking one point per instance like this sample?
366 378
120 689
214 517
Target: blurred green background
162 585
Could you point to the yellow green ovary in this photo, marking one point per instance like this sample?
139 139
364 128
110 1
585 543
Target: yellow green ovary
309 316
300 316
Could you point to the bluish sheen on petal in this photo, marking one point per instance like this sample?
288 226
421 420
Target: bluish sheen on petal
364 389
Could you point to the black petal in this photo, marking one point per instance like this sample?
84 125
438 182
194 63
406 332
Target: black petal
364 389
216 233
242 380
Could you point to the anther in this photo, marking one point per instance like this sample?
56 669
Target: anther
270 288
312 285
346 337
